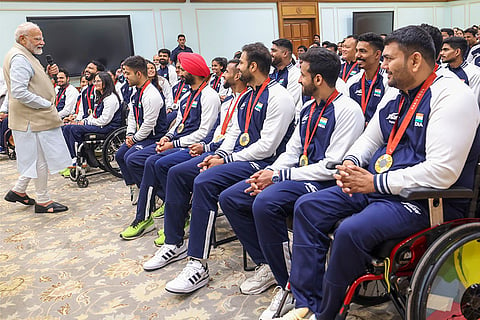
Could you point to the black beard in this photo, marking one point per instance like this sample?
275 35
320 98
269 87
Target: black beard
188 79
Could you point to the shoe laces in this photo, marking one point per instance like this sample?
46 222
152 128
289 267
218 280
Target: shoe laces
261 271
191 268
277 298
164 249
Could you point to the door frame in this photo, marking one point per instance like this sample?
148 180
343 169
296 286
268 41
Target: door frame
298 10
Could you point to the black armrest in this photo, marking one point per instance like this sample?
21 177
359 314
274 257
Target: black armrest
332 164
419 193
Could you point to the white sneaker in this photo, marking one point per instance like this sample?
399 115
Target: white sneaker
193 277
167 253
261 281
134 192
288 304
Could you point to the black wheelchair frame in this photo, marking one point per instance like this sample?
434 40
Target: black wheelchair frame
97 151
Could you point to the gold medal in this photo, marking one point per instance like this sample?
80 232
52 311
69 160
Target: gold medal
303 160
218 138
90 111
383 163
244 139
180 127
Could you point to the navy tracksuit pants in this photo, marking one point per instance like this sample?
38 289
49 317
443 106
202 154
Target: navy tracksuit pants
132 160
155 177
368 222
206 189
74 133
260 222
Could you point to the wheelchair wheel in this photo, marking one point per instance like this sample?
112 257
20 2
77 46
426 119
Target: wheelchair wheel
73 174
12 155
110 147
82 182
446 282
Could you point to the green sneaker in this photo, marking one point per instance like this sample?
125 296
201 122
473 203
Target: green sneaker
160 241
65 172
138 229
157 214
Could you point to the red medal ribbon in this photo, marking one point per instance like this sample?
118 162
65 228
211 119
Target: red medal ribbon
190 101
366 98
229 114
59 96
395 135
137 113
217 81
179 92
309 135
345 77
250 105
90 97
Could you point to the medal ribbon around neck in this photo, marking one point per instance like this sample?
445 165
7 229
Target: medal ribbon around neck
250 106
59 96
190 101
396 135
230 112
139 102
345 77
309 135
366 98
217 81
90 96
179 92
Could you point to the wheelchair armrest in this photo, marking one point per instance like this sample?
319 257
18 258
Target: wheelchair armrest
419 193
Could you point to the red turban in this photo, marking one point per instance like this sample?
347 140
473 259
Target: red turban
194 64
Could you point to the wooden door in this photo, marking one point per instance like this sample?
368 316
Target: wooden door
299 31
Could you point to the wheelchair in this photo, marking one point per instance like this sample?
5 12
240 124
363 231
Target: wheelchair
431 275
9 145
97 151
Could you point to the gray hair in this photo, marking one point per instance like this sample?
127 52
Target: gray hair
23 29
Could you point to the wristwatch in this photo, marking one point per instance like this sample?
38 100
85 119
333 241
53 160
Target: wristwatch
276 176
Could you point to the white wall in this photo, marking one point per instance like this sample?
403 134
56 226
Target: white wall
211 29
221 29
336 18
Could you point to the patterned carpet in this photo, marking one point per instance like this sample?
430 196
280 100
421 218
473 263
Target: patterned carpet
73 265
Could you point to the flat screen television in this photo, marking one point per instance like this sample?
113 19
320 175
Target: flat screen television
373 21
73 41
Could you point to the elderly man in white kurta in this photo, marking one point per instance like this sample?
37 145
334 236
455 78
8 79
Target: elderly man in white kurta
34 120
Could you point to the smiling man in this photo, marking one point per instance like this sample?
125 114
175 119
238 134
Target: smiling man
428 155
369 85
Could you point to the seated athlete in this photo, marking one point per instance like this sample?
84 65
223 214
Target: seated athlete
328 126
146 123
104 118
410 142
264 123
193 123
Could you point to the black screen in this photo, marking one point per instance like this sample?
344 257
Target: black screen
74 41
374 21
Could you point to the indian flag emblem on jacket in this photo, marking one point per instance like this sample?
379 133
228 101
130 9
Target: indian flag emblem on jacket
377 92
259 106
419 120
323 122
